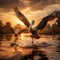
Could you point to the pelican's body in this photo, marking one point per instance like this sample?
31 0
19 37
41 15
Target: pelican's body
40 26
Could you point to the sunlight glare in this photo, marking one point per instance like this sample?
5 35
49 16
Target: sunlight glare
22 36
19 22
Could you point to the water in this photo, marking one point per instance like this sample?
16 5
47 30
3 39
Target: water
45 48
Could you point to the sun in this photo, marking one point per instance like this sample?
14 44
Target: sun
16 20
20 22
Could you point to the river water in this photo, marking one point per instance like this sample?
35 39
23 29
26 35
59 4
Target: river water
27 48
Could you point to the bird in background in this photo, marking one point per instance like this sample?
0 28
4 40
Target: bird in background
40 26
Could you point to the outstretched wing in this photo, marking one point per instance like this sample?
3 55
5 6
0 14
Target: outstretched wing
44 21
21 17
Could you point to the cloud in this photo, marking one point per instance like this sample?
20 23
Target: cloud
41 4
9 17
7 5
38 15
37 9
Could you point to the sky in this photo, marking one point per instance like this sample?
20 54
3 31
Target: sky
32 9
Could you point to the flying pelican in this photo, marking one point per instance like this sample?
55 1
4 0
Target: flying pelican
40 26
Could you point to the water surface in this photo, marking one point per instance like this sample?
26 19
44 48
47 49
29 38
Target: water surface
45 48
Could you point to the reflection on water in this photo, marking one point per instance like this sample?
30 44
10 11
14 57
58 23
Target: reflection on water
45 48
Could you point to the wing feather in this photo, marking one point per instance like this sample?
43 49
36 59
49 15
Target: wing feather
44 21
21 17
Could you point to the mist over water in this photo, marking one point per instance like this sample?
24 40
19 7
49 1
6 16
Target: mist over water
45 48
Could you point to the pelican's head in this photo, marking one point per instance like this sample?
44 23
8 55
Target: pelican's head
32 23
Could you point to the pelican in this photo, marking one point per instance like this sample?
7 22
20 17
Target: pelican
40 26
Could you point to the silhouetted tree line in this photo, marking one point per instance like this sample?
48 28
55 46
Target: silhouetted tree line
6 29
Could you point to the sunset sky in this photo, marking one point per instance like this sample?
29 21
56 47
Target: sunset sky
32 9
